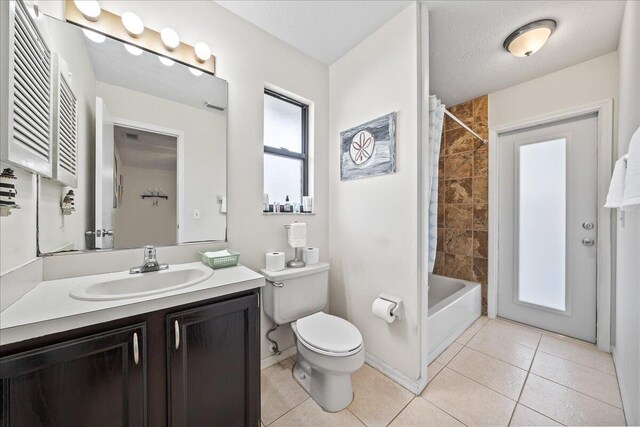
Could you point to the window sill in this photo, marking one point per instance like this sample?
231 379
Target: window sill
287 213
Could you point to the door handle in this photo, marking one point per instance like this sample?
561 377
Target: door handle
176 332
588 242
136 350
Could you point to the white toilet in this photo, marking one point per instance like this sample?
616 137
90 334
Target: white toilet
329 348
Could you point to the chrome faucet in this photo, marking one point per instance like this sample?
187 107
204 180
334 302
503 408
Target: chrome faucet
150 262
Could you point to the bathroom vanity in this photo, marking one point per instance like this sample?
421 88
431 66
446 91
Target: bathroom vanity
186 357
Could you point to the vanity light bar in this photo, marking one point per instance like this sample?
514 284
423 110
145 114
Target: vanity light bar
110 24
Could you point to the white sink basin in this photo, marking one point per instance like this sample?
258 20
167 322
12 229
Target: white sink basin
126 285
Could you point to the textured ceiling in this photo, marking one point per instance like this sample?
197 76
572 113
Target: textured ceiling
147 150
465 42
324 30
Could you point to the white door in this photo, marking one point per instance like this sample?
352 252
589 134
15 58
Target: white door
104 177
547 207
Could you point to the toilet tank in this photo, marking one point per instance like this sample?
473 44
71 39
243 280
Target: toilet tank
294 293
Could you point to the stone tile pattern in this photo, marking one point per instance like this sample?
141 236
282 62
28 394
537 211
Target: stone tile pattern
462 249
497 373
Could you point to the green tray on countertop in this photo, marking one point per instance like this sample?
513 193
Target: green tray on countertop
224 261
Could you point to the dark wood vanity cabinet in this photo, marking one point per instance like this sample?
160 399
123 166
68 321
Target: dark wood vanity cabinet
214 366
97 380
193 365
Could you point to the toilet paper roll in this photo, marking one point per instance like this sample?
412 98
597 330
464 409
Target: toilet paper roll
274 261
382 309
310 255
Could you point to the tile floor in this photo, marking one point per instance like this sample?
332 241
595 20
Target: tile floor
497 373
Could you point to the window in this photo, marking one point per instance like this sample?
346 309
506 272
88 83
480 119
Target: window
542 224
286 136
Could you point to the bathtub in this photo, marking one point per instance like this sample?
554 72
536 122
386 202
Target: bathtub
454 305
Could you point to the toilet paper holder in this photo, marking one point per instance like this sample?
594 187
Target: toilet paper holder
397 311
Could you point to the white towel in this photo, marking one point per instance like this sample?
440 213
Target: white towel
217 254
631 197
616 187
297 234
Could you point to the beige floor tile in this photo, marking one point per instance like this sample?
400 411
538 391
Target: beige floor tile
513 332
377 399
468 401
584 354
309 413
497 375
280 392
472 330
446 356
567 406
524 416
433 370
420 413
507 351
584 379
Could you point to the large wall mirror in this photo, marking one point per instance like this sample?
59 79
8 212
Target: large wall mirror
151 147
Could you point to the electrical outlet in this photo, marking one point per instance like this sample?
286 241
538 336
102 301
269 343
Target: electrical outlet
196 214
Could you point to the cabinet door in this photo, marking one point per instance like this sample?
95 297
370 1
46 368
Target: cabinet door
213 357
94 381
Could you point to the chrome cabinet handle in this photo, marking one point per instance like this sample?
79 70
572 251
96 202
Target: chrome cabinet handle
176 331
588 225
136 351
277 284
588 242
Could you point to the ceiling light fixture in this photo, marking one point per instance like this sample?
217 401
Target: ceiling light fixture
89 8
132 23
93 36
169 38
203 51
527 40
166 61
133 50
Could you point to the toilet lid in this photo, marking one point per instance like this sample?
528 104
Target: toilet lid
329 333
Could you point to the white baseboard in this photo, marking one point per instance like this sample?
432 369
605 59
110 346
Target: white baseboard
272 360
625 402
414 386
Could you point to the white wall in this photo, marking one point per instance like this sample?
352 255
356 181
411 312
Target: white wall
627 330
581 84
137 221
374 221
18 231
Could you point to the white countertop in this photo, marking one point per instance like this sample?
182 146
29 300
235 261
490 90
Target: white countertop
49 309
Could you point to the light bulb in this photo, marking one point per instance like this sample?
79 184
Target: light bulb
166 61
169 38
132 23
133 50
93 36
195 72
203 51
89 8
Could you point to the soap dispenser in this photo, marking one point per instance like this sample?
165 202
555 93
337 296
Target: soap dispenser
287 205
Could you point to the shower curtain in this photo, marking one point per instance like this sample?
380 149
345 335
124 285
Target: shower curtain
436 118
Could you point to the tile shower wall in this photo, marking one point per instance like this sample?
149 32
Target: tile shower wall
463 197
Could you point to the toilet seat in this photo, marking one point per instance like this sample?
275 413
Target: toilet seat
329 335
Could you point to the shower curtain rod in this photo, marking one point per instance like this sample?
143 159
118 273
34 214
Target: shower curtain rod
467 128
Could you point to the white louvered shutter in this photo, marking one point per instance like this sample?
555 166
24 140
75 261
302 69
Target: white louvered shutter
65 132
29 95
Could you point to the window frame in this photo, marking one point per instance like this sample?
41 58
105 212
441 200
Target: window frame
283 152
